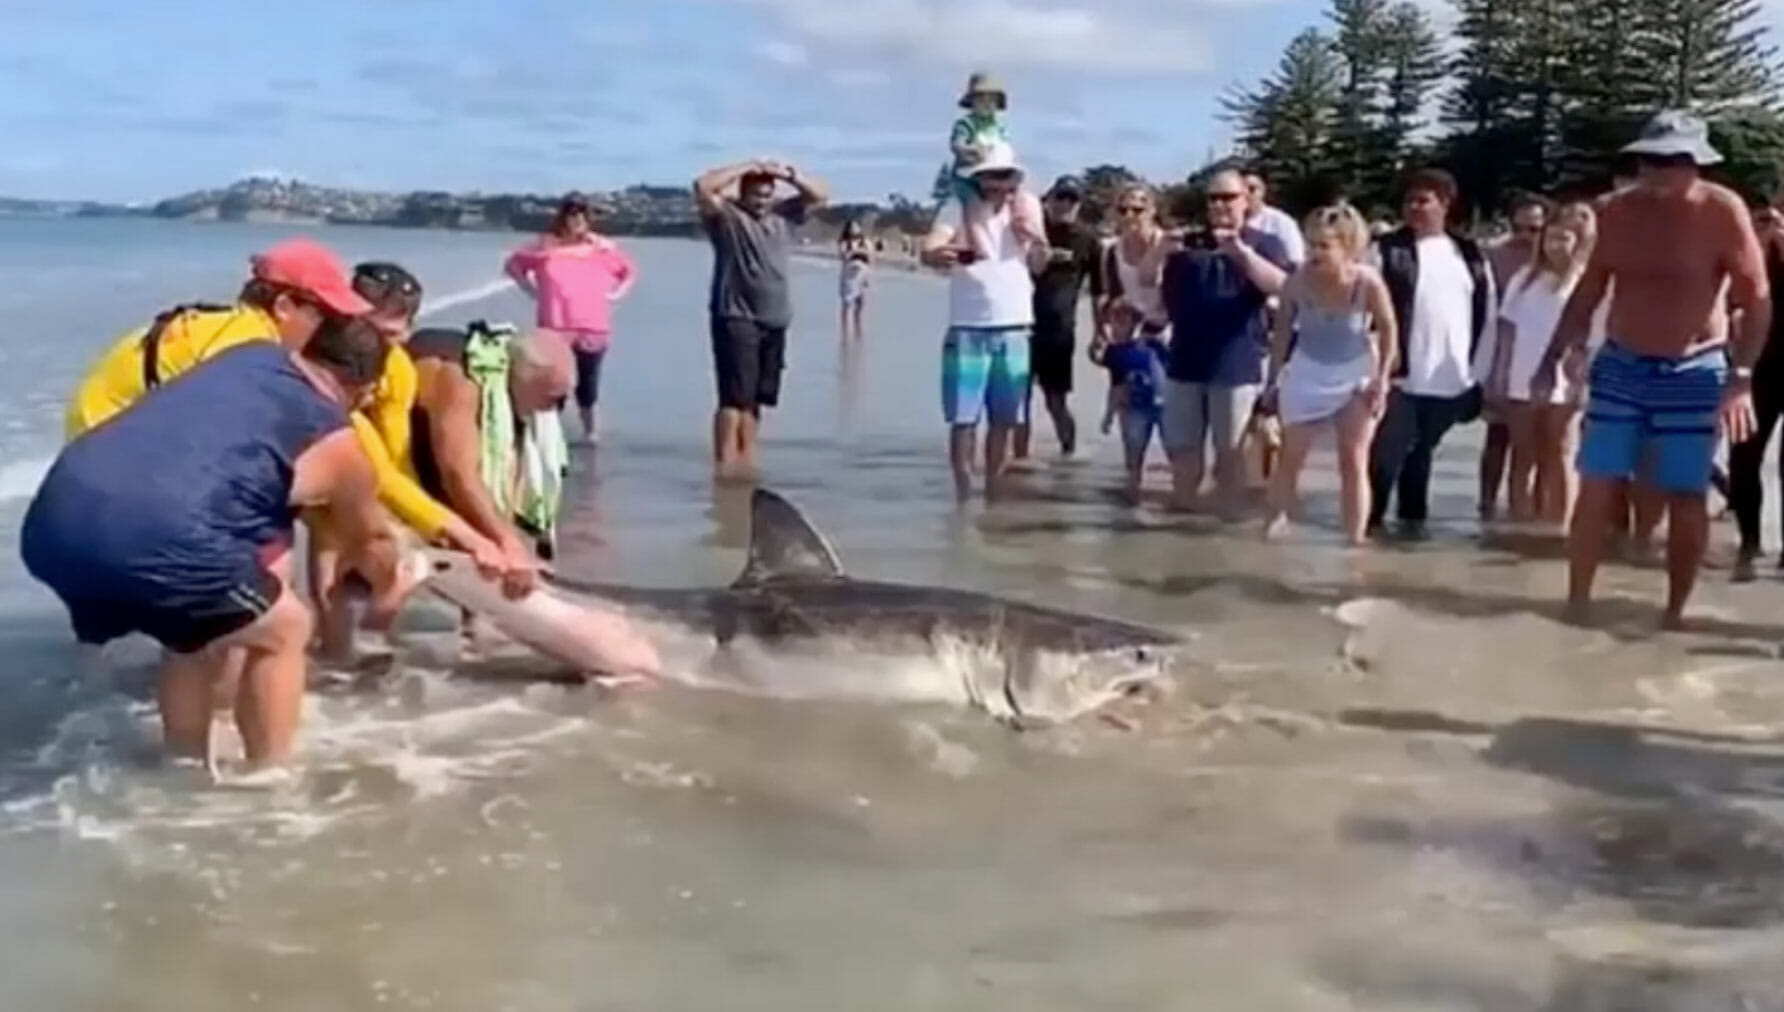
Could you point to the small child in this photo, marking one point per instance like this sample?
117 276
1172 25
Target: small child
1137 371
973 136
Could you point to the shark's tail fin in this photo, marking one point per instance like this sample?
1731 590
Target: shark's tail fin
784 544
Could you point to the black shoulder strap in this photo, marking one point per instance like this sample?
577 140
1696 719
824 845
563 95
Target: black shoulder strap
151 340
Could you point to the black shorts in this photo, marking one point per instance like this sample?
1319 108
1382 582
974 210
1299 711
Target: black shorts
747 359
184 624
1051 346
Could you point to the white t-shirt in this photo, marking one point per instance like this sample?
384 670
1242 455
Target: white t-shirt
996 290
1532 308
1442 324
1279 223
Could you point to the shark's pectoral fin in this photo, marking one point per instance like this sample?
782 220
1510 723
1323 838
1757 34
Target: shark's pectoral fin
785 544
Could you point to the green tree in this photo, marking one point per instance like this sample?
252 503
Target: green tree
1287 124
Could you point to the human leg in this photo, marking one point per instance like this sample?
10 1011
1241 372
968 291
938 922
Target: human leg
1495 453
588 387
965 377
1230 411
1518 460
262 620
771 358
1684 401
736 361
1356 429
1433 416
1746 486
1137 426
1555 479
1392 441
1284 482
1008 381
1185 430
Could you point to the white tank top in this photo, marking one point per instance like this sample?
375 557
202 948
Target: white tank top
1147 300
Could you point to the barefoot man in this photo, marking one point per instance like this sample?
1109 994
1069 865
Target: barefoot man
1666 377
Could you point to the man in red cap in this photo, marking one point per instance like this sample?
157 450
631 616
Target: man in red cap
294 286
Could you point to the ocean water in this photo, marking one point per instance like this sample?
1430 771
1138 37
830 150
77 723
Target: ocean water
1385 779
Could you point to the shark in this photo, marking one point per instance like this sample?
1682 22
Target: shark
794 622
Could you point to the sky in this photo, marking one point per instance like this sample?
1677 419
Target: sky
127 100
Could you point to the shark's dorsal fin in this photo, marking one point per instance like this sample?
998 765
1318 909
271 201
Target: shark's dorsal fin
784 545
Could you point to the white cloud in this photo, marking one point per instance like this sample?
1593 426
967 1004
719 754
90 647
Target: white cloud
787 54
1109 36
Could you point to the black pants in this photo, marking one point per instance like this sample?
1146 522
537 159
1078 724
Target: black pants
1400 457
1746 489
588 377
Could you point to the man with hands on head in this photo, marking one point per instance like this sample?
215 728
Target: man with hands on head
750 307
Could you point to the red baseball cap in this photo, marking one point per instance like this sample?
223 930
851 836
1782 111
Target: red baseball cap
307 266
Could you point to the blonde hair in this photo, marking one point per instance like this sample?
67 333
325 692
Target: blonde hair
1585 233
1343 223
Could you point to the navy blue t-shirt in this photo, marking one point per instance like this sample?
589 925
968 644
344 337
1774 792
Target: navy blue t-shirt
1217 315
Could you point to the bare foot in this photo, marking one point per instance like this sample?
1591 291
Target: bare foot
1673 621
1577 613
1275 526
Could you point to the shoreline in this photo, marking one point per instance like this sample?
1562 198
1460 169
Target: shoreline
892 261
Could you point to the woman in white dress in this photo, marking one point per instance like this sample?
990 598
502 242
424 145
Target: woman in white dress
1542 433
1340 317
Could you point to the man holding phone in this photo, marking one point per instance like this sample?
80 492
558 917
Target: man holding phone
989 256
1215 282
1074 254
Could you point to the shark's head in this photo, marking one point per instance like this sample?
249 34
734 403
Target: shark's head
1048 687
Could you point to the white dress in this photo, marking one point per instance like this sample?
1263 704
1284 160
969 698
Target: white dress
1532 308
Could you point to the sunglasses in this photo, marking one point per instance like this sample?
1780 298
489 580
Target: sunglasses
389 277
1132 210
1226 197
1000 176
1666 161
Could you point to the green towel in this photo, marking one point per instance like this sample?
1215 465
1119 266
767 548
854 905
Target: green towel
526 485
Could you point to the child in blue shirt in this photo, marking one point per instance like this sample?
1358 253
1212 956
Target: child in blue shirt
1137 371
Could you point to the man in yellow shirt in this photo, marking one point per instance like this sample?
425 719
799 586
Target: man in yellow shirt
395 297
294 286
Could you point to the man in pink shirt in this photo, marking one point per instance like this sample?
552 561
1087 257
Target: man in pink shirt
575 275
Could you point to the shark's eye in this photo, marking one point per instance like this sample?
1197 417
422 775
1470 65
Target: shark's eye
1142 655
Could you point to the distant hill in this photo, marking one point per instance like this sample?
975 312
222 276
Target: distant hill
642 209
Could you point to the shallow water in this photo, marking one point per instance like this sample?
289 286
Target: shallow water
1385 779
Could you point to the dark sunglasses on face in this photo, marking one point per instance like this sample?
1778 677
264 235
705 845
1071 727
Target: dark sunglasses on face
1131 210
1666 161
1227 197
389 278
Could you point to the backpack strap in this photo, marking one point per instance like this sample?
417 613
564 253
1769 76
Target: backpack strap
151 339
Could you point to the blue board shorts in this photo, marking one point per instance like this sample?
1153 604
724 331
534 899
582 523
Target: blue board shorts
985 374
1653 416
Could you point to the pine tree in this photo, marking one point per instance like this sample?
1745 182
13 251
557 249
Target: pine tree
1286 125
1413 60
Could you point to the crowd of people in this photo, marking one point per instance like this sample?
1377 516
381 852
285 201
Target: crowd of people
1610 346
196 443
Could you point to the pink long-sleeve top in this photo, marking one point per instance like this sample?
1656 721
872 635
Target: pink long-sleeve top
574 285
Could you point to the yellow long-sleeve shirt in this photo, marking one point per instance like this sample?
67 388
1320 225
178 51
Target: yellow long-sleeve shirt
116 382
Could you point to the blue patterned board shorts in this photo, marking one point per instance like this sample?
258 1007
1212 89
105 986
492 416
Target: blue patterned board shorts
985 374
1654 416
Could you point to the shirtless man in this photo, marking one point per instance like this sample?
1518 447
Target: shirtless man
1662 385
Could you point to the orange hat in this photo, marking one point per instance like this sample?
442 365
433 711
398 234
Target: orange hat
307 266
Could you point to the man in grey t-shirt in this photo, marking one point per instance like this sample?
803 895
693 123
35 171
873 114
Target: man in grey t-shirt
750 306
